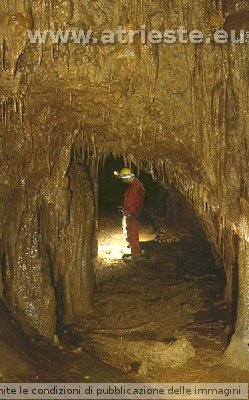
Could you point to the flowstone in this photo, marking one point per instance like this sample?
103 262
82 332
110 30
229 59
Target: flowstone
140 356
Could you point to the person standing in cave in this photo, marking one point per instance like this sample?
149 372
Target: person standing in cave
133 203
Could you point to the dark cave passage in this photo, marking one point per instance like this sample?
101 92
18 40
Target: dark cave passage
176 112
173 296
167 219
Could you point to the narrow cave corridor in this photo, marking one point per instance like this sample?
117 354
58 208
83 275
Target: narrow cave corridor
174 295
76 303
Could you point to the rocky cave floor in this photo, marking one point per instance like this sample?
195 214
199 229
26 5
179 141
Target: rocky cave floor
174 293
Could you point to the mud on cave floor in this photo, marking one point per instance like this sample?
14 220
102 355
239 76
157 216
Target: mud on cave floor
26 359
174 292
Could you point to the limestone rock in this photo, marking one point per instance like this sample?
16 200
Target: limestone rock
140 356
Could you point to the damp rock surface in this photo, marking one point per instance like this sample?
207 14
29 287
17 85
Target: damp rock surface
160 320
33 360
15 358
180 111
141 356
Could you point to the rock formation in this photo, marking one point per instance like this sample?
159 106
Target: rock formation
180 111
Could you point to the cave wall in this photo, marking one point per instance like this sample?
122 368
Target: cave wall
68 235
182 108
48 215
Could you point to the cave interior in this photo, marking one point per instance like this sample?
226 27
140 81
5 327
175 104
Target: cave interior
177 115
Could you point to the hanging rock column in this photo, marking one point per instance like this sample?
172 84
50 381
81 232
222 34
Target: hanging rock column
68 228
27 280
77 248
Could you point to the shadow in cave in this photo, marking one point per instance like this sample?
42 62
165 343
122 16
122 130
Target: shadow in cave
173 294
168 223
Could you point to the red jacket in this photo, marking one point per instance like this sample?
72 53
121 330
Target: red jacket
134 197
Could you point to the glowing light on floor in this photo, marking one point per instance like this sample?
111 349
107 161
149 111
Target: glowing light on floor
113 245
113 251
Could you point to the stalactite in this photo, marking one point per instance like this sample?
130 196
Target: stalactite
141 132
6 114
41 54
206 137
